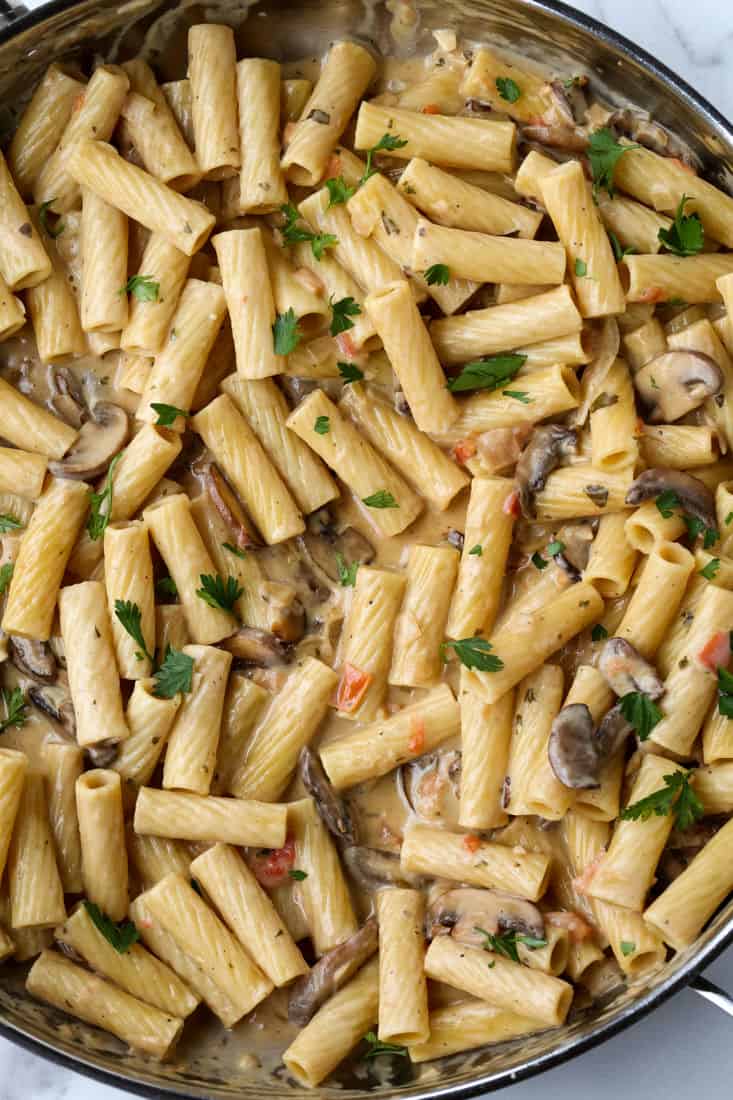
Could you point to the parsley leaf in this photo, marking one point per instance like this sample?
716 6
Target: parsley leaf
234 550
639 710
142 287
476 550
581 268
555 547
473 653
15 705
666 503
298 875
338 191
618 251
518 395
347 573
322 425
292 233
166 586
538 561
604 153
487 374
677 796
101 504
343 311
380 499
725 693
505 943
387 143
437 275
8 523
685 237
598 633
174 674
710 570
350 372
216 592
121 936
286 333
6 574
627 948
129 616
696 527
508 89
377 1047
43 211
729 519
167 414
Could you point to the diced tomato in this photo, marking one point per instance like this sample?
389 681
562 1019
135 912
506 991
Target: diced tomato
416 744
583 880
578 929
270 866
346 346
653 294
511 506
716 651
464 449
471 842
352 687
431 109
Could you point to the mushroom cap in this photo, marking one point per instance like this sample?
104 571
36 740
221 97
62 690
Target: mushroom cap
625 670
229 506
34 658
55 701
258 647
331 972
463 910
543 453
694 496
677 382
573 750
100 439
332 809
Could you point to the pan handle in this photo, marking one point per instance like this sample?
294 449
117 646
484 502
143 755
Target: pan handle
712 993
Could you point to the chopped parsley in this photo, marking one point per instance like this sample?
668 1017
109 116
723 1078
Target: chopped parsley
347 571
298 875
234 550
437 275
686 236
120 935
476 550
377 1047
142 287
380 499
710 570
518 395
725 693
174 675
129 616
581 268
350 372
338 191
604 153
505 943
618 251
217 592
15 706
167 414
166 586
100 504
538 561
487 374
598 633
627 948
473 653
286 333
322 425
6 575
293 233
641 712
8 523
675 797
387 143
508 89
342 312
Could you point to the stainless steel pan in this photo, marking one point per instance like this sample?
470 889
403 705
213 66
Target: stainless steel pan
206 1067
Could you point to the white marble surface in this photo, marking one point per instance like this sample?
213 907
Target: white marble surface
686 1040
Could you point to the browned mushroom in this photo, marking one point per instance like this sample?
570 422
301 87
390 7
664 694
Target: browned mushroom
546 447
103 753
331 972
461 911
373 869
228 505
556 135
34 658
693 495
626 671
67 399
573 750
286 613
613 731
323 549
651 135
677 382
333 811
55 702
100 439
258 647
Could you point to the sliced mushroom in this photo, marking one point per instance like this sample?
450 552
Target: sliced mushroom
556 135
373 869
613 731
67 398
33 658
286 612
323 548
331 972
56 703
651 135
573 748
625 670
460 912
677 382
103 753
297 388
333 810
228 505
546 447
694 496
258 647
100 439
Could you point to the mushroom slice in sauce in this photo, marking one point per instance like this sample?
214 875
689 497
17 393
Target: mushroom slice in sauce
67 399
227 504
677 382
460 912
258 647
333 810
100 439
331 972
55 702
103 754
373 869
546 448
556 135
651 135
34 658
323 547
694 496
625 670
613 731
574 750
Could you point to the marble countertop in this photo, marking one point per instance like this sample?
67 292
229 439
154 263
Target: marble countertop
686 1040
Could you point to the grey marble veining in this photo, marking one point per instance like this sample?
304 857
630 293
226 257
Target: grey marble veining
686 1040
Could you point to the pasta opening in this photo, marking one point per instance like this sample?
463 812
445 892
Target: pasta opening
672 552
639 536
645 960
559 955
98 780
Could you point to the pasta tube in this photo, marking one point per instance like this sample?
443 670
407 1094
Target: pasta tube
323 892
102 834
366 640
420 626
41 126
182 815
403 993
34 885
128 578
212 61
477 256
190 756
62 766
485 737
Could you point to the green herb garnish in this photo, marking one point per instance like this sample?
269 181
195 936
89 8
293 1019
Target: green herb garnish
677 797
487 374
120 935
473 653
217 592
686 236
